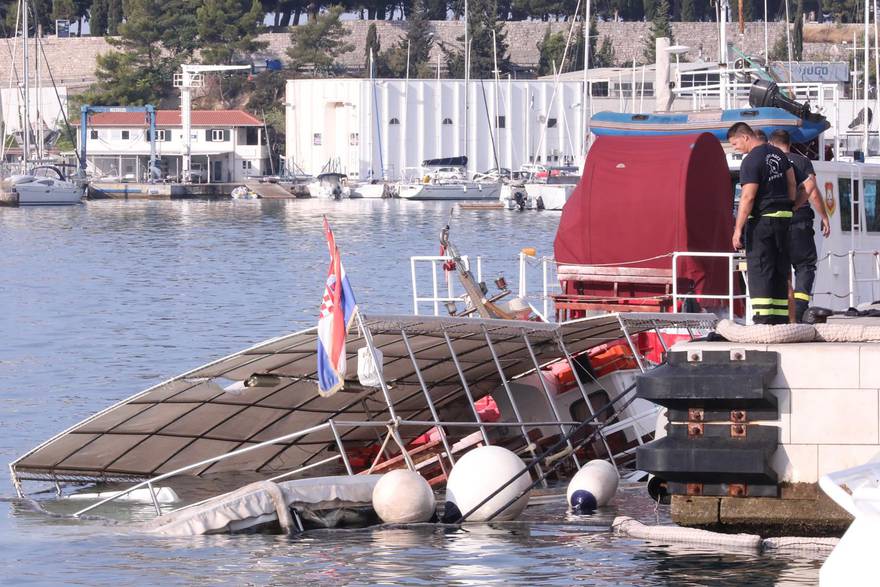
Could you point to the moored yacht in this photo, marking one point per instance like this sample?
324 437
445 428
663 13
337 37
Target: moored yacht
45 186
446 179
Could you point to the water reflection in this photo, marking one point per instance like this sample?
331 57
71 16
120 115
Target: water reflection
102 300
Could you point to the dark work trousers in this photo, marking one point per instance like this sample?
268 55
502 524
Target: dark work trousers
802 248
769 266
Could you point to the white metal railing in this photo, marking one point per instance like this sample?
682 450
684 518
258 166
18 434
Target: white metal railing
448 278
549 281
855 280
733 260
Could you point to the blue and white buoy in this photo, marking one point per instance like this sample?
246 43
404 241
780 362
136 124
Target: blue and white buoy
592 487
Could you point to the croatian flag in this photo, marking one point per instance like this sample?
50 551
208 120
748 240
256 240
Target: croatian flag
338 309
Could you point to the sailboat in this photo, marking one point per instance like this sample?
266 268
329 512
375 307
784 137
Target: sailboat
42 184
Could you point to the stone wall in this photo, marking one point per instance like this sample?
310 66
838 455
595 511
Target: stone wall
72 60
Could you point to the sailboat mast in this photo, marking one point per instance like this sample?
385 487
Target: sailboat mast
867 70
585 135
26 144
38 118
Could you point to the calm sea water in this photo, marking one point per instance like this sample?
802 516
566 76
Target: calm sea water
102 300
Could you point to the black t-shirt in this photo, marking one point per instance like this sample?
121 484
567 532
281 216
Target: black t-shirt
803 169
766 165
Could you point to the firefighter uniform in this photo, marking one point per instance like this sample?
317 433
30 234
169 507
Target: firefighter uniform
801 241
767 233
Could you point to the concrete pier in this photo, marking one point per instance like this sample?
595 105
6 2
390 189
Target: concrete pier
166 191
828 420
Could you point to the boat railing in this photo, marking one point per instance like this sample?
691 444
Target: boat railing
641 420
872 279
442 286
733 267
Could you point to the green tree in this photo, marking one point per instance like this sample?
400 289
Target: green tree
660 27
98 18
317 45
372 48
114 16
605 56
228 29
416 45
154 40
797 35
779 51
483 19
688 12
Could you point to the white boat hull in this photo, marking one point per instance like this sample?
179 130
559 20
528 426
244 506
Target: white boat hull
368 190
553 195
39 194
449 191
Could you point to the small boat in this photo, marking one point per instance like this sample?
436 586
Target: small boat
446 179
243 192
46 185
331 185
369 189
768 119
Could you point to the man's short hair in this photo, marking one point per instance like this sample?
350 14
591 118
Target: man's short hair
740 128
761 135
780 137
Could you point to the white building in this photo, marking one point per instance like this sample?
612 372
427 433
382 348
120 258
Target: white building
227 145
367 128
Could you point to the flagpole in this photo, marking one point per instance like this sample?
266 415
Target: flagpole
368 339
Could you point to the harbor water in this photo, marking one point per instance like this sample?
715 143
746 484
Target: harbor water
102 300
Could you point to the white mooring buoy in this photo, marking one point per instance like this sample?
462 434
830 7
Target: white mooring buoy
480 473
593 486
403 497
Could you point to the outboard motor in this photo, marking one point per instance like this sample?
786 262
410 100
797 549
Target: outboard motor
765 93
519 199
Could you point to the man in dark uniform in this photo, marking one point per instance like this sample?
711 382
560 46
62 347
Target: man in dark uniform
765 210
801 242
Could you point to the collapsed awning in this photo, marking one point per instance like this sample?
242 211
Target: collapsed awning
208 412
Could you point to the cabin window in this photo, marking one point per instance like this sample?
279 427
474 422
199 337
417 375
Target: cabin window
872 212
551 123
447 121
394 121
845 186
93 134
501 122
125 135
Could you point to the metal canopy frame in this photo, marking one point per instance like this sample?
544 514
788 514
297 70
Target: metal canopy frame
207 422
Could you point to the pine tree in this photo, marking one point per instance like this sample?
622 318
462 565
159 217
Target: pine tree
154 40
372 47
417 42
660 27
317 45
688 13
228 29
114 17
797 36
98 18
605 56
483 19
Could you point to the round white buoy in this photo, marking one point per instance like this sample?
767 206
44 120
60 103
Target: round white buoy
593 486
402 497
480 473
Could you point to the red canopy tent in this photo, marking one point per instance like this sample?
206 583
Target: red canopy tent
642 198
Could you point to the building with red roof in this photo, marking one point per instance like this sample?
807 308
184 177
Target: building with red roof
226 145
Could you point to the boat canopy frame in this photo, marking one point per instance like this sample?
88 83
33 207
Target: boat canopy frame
433 370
